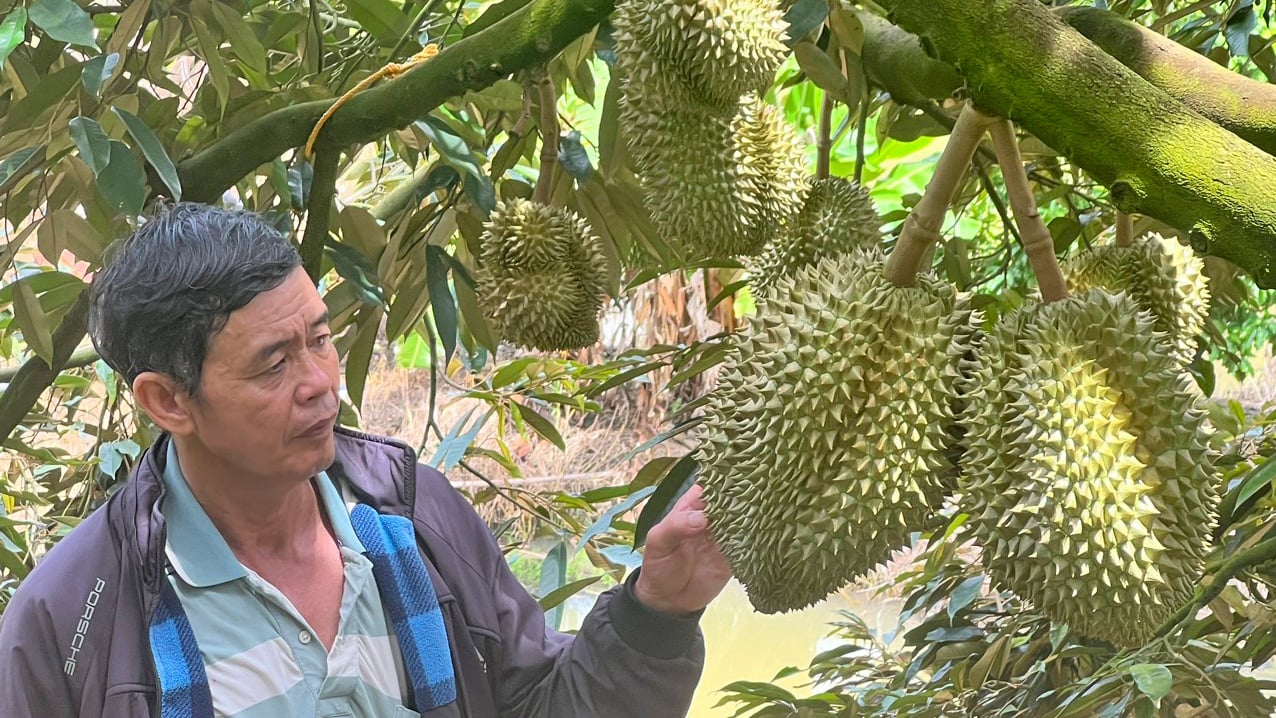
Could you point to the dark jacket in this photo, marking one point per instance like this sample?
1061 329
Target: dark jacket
73 641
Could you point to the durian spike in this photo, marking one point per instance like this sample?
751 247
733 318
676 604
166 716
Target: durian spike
921 228
824 143
1037 240
1124 230
549 138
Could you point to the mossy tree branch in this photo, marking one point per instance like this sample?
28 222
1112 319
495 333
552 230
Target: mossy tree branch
1260 553
1160 158
1244 106
528 37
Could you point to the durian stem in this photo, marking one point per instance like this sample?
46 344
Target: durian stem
549 138
921 228
323 189
1124 230
1253 556
1038 243
824 142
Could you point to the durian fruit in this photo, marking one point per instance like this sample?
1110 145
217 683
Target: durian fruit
1087 473
718 186
837 217
1163 277
824 441
541 276
719 49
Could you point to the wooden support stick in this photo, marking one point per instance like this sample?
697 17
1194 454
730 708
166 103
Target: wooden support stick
1038 243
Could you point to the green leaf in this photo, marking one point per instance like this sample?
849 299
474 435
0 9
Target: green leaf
452 449
122 182
823 70
467 301
442 305
64 21
18 164
243 41
111 455
541 425
553 576
356 269
1153 679
91 140
573 157
13 31
33 322
965 594
359 358
563 593
803 17
677 482
381 18
153 150
451 145
1256 480
603 522
97 71
208 48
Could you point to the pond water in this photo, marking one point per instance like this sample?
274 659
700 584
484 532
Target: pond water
744 645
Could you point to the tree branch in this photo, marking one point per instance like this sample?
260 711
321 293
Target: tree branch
323 188
1158 157
528 37
35 376
1244 106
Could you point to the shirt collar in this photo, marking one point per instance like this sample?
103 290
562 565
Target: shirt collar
199 554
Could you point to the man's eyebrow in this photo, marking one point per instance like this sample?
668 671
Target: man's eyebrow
265 352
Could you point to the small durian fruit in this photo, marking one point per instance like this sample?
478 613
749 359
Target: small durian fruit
541 276
720 49
1088 474
718 186
1161 275
824 440
837 217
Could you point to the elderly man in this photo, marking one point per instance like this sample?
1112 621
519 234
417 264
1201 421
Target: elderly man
261 563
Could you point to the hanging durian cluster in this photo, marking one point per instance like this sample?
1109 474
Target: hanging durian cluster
825 440
721 170
541 276
1088 472
837 217
1161 275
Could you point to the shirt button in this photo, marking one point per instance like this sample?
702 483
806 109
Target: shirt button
304 637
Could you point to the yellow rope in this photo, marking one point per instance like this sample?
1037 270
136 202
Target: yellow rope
391 70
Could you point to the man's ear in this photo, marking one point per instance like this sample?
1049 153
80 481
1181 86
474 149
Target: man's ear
167 403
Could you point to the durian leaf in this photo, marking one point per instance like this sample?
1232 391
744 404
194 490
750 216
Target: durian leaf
541 425
12 33
442 305
1258 479
553 576
676 483
624 377
562 593
1153 679
965 594
33 321
152 150
458 439
664 436
359 358
604 522
803 17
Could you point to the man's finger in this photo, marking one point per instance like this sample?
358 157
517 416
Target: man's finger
692 500
679 526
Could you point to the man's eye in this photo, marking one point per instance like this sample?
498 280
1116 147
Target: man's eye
322 340
277 367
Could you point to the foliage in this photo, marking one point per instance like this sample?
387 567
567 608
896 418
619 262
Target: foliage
108 108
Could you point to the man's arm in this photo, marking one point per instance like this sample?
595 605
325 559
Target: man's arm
32 682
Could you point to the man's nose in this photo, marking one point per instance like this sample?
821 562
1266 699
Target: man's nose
315 379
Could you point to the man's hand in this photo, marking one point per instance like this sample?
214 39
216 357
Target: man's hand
683 569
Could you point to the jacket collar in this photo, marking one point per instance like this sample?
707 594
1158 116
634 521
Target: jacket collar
379 471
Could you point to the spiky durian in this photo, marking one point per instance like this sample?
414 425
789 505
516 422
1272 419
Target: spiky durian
1088 473
824 441
837 217
718 186
719 49
1163 276
541 276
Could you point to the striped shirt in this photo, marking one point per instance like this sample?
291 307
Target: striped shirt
262 658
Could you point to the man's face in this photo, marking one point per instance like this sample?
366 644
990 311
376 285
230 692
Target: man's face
268 395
